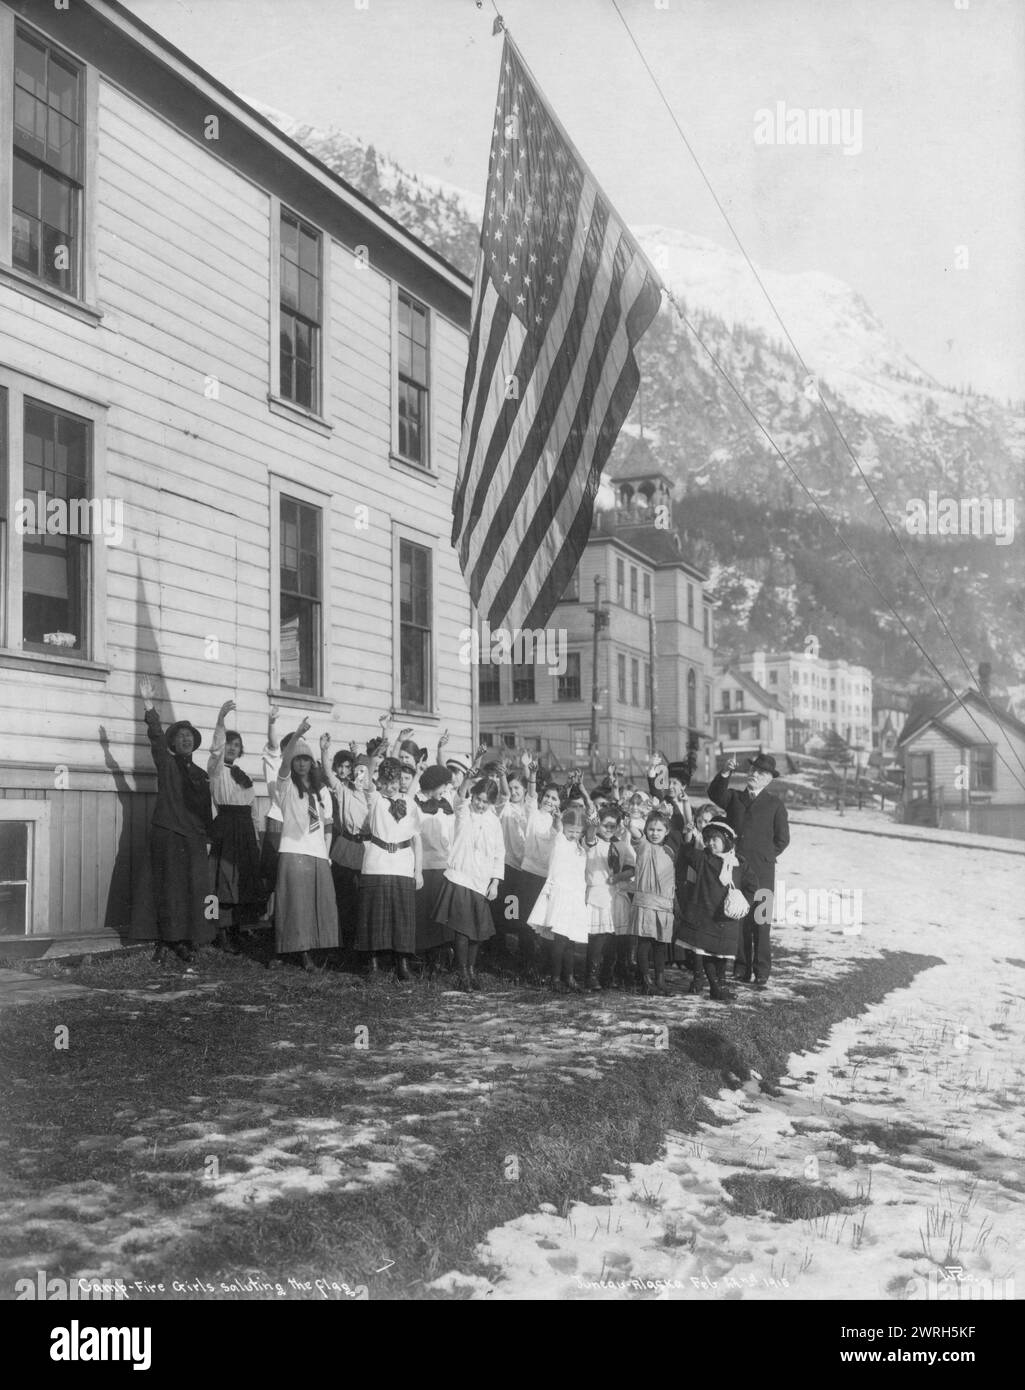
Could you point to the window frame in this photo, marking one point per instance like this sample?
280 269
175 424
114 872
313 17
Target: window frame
531 669
38 815
281 485
573 659
279 404
988 764
621 685
424 541
83 303
17 388
427 467
620 581
489 666
646 602
635 682
634 590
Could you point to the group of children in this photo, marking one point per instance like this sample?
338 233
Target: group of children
394 860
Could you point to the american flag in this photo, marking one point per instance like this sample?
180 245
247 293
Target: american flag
561 296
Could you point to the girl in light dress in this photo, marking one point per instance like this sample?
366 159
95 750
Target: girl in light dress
305 915
651 915
560 914
513 812
392 872
437 830
610 862
474 872
235 851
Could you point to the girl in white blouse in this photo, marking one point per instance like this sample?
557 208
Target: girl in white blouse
473 874
305 916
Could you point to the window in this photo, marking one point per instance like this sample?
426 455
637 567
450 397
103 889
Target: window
633 588
509 739
982 768
740 700
705 626
774 678
621 678
414 380
415 626
832 683
635 681
300 618
581 738
734 730
523 684
708 705
832 707
690 605
24 867
568 686
692 698
489 689
621 744
647 685
48 163
488 739
571 593
726 699
300 319
646 590
620 582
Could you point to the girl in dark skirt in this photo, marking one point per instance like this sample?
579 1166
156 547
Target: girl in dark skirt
182 826
351 830
433 938
391 874
473 874
235 851
708 931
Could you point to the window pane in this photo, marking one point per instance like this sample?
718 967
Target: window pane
299 635
13 909
29 123
309 528
25 243
303 394
309 296
62 143
30 66
64 88
57 202
53 595
13 850
289 285
309 251
289 238
418 364
26 186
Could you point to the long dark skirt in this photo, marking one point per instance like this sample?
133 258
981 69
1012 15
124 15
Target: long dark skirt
530 886
269 853
347 901
235 854
181 886
464 911
305 916
387 914
430 933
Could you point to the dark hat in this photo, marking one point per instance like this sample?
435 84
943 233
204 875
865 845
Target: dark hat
681 771
434 778
763 762
197 737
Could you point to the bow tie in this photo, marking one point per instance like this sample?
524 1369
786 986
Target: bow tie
397 808
433 805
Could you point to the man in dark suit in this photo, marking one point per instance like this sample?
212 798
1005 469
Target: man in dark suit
763 833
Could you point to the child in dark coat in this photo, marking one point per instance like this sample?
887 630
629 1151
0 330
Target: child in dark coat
708 931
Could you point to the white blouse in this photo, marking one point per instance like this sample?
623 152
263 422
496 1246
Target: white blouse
271 767
384 825
513 819
436 831
539 840
223 787
478 850
298 835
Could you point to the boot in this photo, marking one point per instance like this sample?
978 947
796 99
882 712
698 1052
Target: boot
306 962
593 984
659 953
712 975
697 984
402 970
725 993
373 965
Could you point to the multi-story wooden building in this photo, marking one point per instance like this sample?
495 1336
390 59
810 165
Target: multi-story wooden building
638 558
819 694
233 385
747 718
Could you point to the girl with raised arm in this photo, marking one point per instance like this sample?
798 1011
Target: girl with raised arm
473 874
305 916
235 850
352 825
391 873
181 828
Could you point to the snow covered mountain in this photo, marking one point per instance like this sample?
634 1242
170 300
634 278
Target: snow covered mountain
910 434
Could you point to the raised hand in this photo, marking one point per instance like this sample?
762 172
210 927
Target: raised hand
227 708
443 738
147 689
404 734
273 713
384 720
353 748
304 727
325 743
730 764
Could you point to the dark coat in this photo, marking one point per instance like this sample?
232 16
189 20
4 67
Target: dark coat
761 825
705 925
183 789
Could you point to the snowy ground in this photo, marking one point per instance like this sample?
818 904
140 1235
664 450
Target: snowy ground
915 1108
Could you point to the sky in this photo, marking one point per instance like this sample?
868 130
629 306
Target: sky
926 221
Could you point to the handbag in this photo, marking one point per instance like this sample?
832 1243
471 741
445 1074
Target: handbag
735 905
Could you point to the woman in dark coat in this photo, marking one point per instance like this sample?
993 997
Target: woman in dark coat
707 931
181 829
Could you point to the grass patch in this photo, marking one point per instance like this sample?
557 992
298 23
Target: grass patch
524 1131
787 1198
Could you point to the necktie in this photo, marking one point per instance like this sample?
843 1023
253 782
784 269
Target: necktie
614 860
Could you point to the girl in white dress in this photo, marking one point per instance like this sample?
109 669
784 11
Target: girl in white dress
560 914
610 863
473 874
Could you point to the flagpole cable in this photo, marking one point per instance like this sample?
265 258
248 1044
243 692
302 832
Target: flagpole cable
834 528
797 353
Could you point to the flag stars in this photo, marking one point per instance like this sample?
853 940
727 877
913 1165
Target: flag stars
506 279
521 299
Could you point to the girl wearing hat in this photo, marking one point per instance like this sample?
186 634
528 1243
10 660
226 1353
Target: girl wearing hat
182 825
351 827
437 831
470 882
235 850
560 914
651 915
708 931
391 873
305 915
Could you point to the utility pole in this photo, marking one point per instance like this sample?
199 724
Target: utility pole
600 618
652 680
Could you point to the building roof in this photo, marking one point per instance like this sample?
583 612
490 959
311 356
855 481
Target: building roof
932 709
753 688
633 462
185 68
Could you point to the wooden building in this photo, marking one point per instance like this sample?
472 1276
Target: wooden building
235 386
747 718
